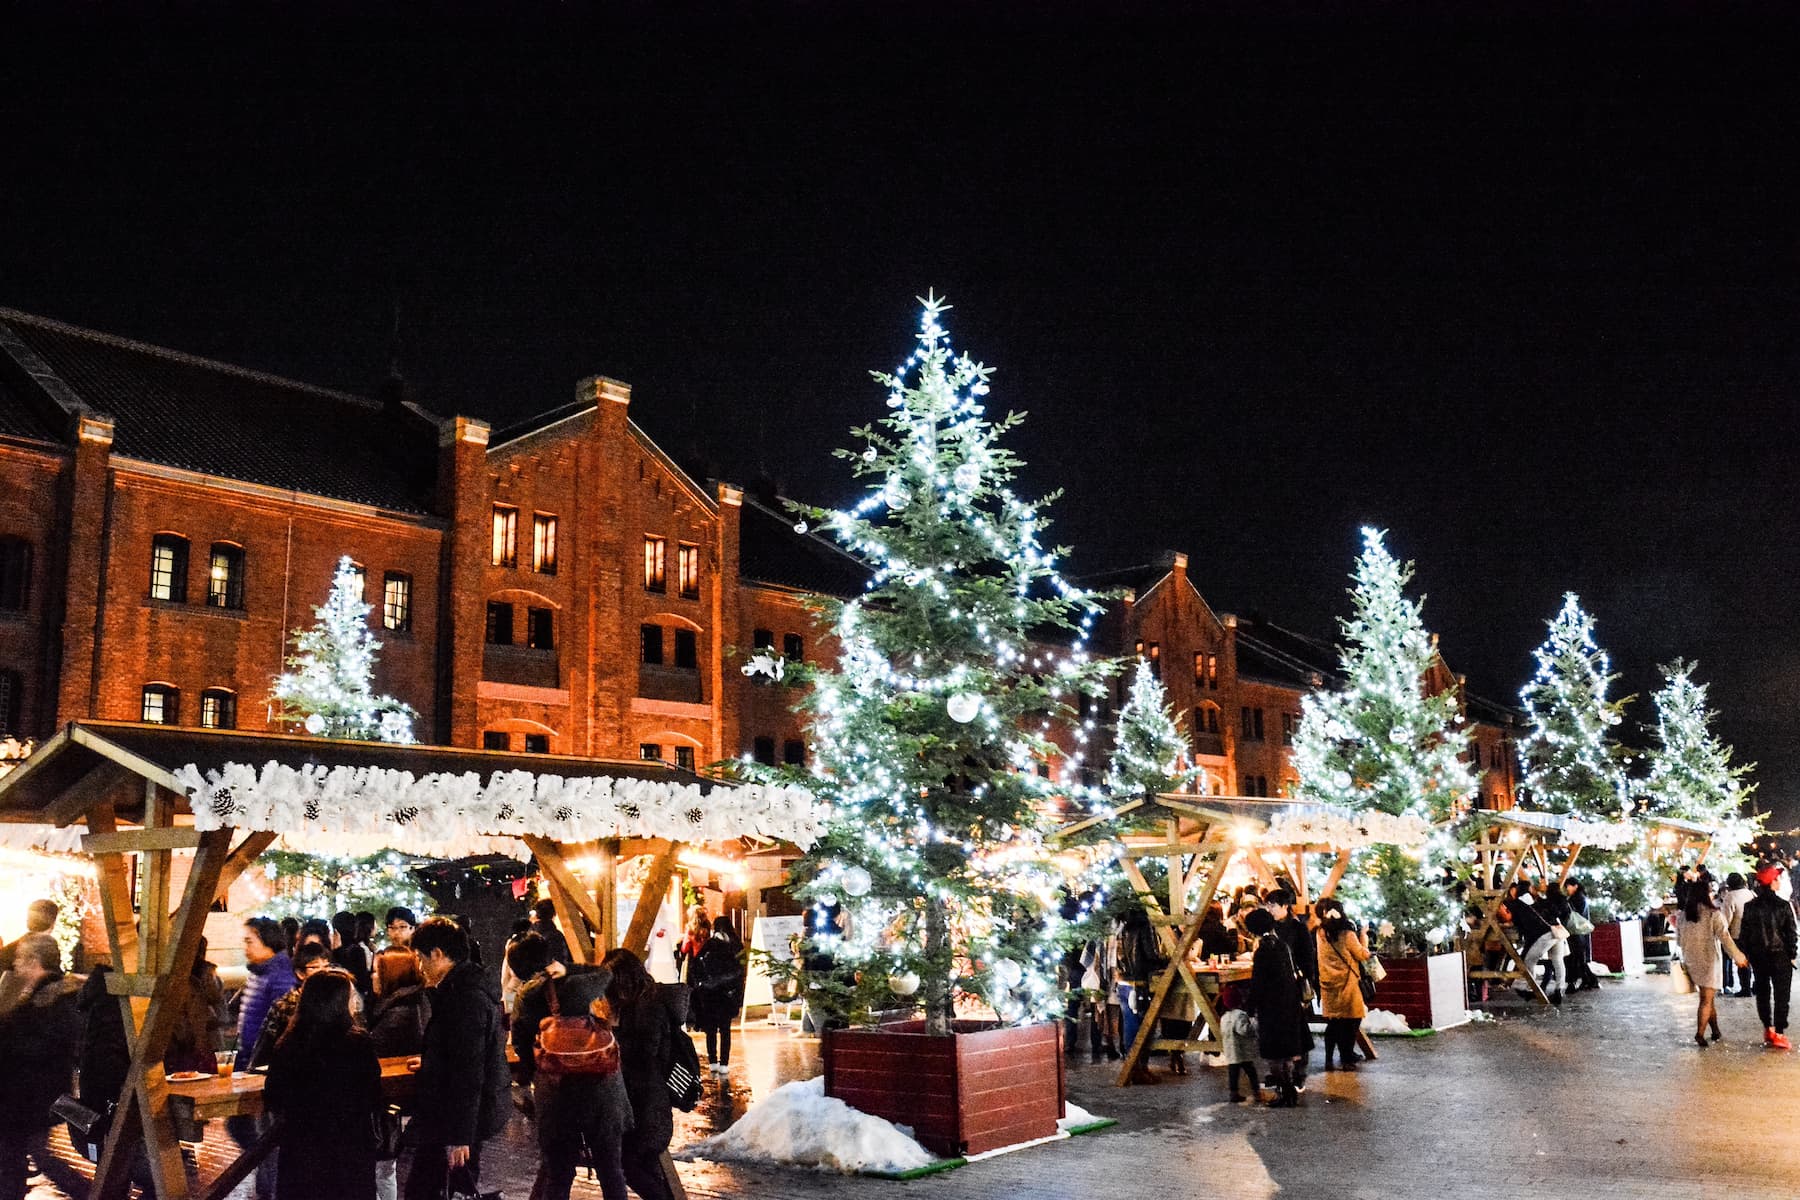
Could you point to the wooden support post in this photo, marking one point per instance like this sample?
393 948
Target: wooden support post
243 858
606 894
574 905
1337 875
643 917
1568 865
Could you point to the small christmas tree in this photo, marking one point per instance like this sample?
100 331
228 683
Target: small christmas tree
327 687
1381 741
1147 744
930 732
1571 761
1691 775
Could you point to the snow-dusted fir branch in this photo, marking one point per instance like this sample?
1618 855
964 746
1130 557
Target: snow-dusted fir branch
931 732
1691 774
327 687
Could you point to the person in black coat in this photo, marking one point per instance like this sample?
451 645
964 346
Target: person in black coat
1275 998
325 1085
647 1018
1767 936
1294 933
351 954
572 1110
40 1033
463 1096
717 981
1581 946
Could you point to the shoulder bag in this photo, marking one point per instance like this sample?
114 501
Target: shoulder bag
1364 984
683 1079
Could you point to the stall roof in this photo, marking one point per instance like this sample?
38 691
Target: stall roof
155 752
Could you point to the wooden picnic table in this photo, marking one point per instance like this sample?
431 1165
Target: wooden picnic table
242 1093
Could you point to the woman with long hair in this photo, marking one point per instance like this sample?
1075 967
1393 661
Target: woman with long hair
1275 999
1702 932
325 1084
647 1017
1341 958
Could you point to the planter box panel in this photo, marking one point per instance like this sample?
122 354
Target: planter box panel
973 1091
1428 992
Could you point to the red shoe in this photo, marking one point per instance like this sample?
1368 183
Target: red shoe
1779 1041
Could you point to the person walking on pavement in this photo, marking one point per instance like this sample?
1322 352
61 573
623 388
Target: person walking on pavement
1767 936
463 1096
1341 958
718 992
572 1109
1700 936
1732 899
40 1035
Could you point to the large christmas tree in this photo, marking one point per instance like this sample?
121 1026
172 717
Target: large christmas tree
327 687
1382 741
930 733
1147 744
1691 774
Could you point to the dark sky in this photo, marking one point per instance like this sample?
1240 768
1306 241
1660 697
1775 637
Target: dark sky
1522 292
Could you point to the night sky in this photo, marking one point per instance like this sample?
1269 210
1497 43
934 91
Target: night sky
1522 293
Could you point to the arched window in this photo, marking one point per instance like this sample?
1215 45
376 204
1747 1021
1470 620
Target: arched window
168 568
225 578
162 704
218 709
15 573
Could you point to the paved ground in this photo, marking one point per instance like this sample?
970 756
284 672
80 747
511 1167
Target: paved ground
1606 1098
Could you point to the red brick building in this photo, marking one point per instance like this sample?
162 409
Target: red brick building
560 586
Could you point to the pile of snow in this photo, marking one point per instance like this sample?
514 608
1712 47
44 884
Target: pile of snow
1074 1117
800 1126
1380 1020
1479 1016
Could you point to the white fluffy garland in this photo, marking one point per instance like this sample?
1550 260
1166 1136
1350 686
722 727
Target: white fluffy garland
1601 835
405 809
1345 830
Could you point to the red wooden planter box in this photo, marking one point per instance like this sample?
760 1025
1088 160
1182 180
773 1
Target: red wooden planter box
968 1092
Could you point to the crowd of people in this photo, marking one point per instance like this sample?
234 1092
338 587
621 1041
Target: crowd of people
322 1005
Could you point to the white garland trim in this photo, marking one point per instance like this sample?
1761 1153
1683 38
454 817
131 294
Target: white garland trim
403 809
1345 831
1601 835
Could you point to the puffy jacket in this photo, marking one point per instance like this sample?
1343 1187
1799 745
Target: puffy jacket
464 1091
1766 926
39 1038
398 1020
266 983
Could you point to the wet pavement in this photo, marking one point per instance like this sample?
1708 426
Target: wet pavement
1607 1097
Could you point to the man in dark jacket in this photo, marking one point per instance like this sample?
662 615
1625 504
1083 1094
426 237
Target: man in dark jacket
40 1032
543 923
463 1094
1767 936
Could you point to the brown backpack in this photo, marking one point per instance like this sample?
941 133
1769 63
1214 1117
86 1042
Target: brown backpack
576 1045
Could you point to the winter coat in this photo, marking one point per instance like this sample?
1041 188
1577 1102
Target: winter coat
40 1035
1766 927
1140 958
1699 942
555 942
1299 940
529 1011
1731 904
397 1022
1340 960
327 1096
280 1016
1526 921
568 1106
1281 1031
1216 937
1237 1037
105 1054
463 1096
354 958
266 983
191 1043
647 1032
717 981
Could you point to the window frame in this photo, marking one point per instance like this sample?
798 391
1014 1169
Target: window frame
389 580
793 647
650 645
226 701
656 564
170 706
503 546
491 626
544 738
688 640
178 548
543 543
684 758
687 570
793 754
490 736
650 752
12 700
230 596
762 750
15 573
534 616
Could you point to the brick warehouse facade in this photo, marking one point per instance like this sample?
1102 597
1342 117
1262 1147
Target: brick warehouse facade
560 586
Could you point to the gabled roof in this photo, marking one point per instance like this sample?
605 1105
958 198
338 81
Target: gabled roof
769 551
217 419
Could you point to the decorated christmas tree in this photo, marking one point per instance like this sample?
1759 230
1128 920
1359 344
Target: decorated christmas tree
1381 741
930 734
327 687
1691 774
1571 761
1147 744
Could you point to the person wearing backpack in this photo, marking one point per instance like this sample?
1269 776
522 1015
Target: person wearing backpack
568 1055
647 1019
1767 936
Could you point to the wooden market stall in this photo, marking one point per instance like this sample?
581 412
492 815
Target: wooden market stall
146 793
1199 838
1672 839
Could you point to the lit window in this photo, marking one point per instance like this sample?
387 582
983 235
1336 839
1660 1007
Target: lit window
225 579
655 567
540 628
1212 672
162 704
396 602
687 562
506 536
218 709
359 576
168 568
1199 669
15 573
1156 660
684 757
543 544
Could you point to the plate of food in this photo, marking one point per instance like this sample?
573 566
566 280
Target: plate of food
187 1076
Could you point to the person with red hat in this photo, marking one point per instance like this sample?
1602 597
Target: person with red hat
1768 939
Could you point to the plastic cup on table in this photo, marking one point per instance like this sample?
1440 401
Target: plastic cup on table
227 1061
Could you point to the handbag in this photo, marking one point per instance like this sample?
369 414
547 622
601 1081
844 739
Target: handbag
683 1079
1680 982
1373 968
1578 925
